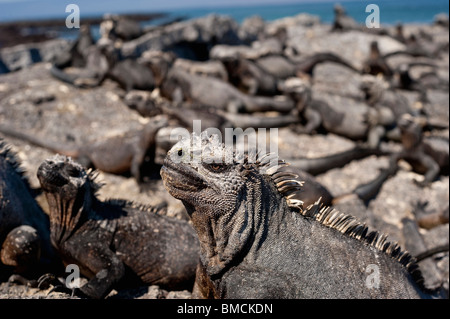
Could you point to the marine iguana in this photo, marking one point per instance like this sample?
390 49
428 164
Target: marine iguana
428 80
119 27
416 245
116 154
428 156
24 227
76 54
211 68
343 22
356 121
114 242
92 66
104 61
376 63
179 86
250 78
429 220
282 67
257 241
264 75
319 165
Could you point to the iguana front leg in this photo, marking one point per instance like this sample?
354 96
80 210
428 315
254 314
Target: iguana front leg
94 257
313 121
432 169
136 163
21 248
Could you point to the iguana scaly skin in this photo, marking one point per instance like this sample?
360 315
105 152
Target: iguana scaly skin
257 241
24 227
114 242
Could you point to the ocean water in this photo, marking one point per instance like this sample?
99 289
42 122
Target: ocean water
391 11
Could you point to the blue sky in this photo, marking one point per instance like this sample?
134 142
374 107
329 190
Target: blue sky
170 4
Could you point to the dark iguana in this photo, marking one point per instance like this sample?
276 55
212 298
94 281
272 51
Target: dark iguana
319 111
75 55
181 86
257 241
24 227
319 165
114 242
428 156
114 154
376 63
427 219
264 75
102 61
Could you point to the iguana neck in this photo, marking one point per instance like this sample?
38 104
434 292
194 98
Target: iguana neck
225 239
67 214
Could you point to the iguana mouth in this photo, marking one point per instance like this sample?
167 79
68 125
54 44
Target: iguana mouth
49 176
185 179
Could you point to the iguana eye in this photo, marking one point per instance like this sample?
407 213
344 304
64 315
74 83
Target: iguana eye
216 167
180 152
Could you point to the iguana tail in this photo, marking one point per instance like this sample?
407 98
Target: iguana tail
308 65
245 121
315 166
63 76
370 190
63 149
266 104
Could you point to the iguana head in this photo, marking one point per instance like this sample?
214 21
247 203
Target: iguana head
228 195
70 192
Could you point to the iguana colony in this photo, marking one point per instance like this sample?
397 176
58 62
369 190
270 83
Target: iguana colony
116 154
114 242
258 241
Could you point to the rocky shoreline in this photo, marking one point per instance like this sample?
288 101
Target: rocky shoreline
32 100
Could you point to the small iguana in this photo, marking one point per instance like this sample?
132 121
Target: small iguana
257 241
427 155
114 242
76 54
116 154
376 63
102 61
178 86
24 227
264 75
319 165
428 220
340 115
